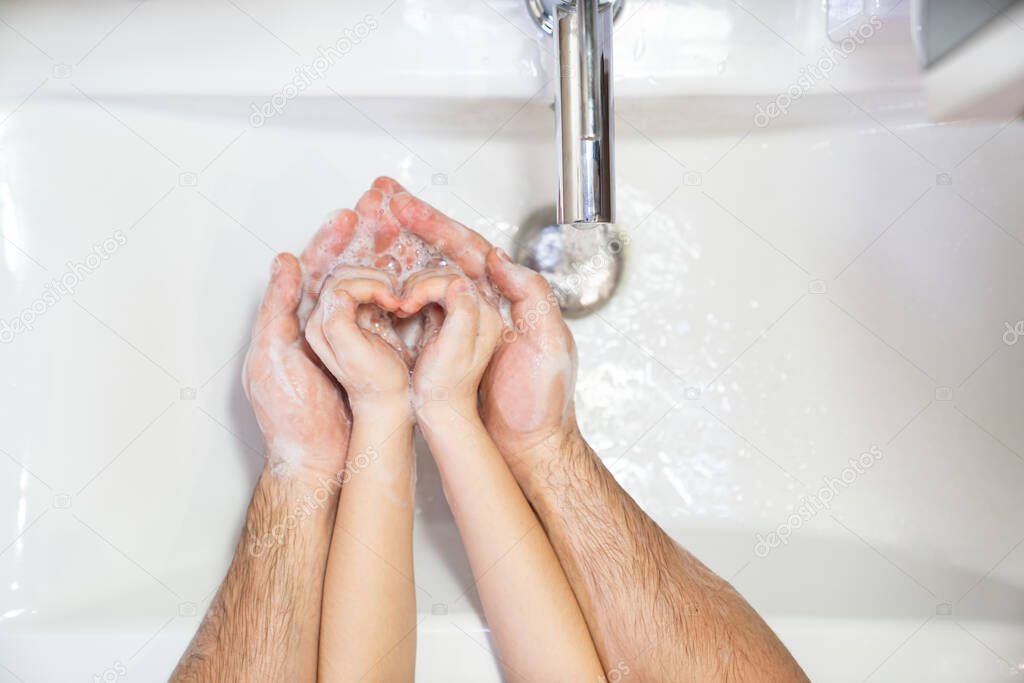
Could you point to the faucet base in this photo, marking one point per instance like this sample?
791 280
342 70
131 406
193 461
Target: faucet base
582 263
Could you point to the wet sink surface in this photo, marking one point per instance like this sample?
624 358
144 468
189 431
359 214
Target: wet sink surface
834 284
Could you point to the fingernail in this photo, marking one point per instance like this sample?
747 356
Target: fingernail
275 265
502 255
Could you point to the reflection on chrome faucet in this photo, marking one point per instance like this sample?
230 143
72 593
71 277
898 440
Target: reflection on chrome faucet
585 117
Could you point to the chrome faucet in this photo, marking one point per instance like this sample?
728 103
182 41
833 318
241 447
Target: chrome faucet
585 117
583 106
581 254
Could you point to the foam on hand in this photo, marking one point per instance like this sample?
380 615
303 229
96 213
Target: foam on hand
381 244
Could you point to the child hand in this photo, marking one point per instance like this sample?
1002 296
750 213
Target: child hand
457 347
352 337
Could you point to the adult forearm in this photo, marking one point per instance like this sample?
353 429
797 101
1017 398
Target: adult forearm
263 624
655 612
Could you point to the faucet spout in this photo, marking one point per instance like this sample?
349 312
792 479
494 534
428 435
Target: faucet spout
577 245
584 110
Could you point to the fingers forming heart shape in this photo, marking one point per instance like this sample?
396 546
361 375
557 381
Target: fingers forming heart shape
407 320
371 244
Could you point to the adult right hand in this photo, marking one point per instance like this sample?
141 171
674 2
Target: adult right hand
527 392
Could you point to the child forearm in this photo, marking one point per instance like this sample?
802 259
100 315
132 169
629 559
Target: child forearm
369 607
526 598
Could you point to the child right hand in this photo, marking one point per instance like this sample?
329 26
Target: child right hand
370 369
456 351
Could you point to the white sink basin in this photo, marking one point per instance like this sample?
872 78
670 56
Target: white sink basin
795 295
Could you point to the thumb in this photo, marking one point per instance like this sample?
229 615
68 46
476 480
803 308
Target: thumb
278 315
533 302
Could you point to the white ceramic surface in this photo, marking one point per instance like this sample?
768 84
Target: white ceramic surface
844 278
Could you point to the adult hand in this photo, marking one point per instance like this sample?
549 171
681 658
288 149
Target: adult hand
526 398
305 425
301 411
527 392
